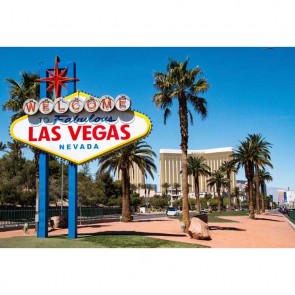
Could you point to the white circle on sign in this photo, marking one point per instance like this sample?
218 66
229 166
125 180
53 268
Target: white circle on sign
60 105
30 106
107 103
46 106
76 105
122 102
91 104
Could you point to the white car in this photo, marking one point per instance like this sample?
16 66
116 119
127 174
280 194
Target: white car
172 211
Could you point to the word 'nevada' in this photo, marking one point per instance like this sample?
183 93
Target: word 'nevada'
76 104
85 133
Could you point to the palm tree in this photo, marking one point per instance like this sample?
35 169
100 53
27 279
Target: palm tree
263 177
197 166
244 157
148 188
181 84
3 146
228 167
133 187
28 88
165 186
20 92
139 186
261 159
16 148
218 178
122 160
237 193
176 186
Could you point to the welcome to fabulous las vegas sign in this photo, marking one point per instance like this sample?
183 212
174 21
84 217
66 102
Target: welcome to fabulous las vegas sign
80 127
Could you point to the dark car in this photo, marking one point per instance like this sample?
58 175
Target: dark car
284 211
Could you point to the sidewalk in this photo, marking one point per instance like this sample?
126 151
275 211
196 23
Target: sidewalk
266 231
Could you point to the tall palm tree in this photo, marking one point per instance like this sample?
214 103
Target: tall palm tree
197 166
122 160
261 159
220 181
263 177
184 85
228 167
244 157
165 186
19 92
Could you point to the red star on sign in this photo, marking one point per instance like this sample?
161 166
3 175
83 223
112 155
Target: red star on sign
57 79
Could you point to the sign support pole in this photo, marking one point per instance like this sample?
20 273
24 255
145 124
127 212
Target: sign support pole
72 173
43 195
42 214
72 217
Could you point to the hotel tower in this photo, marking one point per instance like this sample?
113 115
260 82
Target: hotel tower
170 167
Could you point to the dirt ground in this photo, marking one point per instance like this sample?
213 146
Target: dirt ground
269 230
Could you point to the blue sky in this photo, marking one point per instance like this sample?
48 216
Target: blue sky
251 91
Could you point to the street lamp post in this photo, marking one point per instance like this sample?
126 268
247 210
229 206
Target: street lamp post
171 199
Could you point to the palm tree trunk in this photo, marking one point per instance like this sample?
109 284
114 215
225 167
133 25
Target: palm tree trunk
229 191
257 189
262 198
126 214
197 192
218 200
251 203
185 209
184 140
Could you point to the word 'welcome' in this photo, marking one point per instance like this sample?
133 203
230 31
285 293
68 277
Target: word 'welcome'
91 104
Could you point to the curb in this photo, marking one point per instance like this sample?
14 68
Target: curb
290 222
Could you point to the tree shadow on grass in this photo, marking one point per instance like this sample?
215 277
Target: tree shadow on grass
92 226
213 227
128 233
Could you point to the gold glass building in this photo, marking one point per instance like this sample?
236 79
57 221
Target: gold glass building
170 167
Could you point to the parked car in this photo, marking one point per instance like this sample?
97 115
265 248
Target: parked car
172 211
206 211
284 211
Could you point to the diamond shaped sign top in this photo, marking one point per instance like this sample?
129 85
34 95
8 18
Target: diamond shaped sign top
71 127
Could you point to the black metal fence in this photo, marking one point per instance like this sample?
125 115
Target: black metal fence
18 216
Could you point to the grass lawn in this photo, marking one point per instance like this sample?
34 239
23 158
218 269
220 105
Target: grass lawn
214 216
108 241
